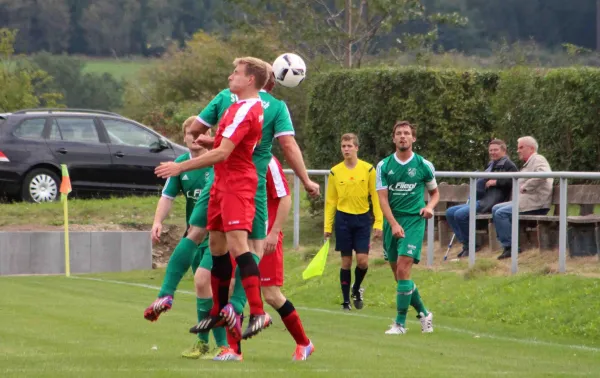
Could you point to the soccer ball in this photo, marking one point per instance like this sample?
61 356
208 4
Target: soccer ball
289 70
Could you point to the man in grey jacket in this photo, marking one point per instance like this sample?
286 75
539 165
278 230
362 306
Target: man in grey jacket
535 194
489 193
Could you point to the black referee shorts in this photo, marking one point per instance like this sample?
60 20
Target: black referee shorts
352 233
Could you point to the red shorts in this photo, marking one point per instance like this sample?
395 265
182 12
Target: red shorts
230 212
271 266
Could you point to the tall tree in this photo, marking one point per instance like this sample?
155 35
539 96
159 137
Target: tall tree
108 26
344 30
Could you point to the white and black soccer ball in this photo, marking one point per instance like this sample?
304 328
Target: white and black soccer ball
289 70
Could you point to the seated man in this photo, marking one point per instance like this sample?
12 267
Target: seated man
489 193
535 194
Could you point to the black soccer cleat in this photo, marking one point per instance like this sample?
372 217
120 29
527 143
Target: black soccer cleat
346 307
357 298
208 323
256 324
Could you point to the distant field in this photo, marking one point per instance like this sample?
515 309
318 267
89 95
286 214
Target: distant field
126 68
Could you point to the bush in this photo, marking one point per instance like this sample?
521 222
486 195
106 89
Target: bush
451 109
23 86
188 78
457 113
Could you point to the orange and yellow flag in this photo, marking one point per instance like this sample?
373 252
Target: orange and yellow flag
65 185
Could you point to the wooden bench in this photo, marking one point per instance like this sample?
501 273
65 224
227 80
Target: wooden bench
583 230
452 195
538 231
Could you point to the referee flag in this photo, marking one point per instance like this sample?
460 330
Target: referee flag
317 265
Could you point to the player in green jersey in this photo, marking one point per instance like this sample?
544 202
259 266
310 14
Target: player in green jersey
191 184
277 124
401 179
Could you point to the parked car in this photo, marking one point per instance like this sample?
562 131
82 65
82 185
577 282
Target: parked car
104 152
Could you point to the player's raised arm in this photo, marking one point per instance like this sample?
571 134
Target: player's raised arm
293 156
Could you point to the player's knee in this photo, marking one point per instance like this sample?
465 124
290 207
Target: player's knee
362 264
202 283
273 296
346 262
403 269
196 234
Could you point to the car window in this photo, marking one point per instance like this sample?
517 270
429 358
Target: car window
31 129
77 129
128 134
54 131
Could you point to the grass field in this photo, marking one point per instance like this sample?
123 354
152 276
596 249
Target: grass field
121 68
92 326
487 323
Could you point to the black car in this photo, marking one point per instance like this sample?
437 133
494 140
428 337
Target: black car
104 152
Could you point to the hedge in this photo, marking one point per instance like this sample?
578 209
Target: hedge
457 113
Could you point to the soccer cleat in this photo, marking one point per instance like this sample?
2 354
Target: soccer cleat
256 324
232 321
199 349
228 354
426 322
160 305
211 354
346 306
302 352
207 324
396 329
357 298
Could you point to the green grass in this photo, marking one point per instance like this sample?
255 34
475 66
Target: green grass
128 210
56 326
119 68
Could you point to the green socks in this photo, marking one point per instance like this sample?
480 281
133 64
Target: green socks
403 299
203 306
417 303
178 265
238 297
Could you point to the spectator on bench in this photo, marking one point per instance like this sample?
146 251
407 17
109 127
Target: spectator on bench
489 193
535 195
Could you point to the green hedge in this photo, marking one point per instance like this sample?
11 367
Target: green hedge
457 113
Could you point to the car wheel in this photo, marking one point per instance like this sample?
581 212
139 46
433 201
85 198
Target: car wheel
40 185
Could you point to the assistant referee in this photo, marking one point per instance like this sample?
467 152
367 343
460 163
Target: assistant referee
351 182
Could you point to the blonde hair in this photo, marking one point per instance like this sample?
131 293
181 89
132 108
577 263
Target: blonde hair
350 137
188 122
257 68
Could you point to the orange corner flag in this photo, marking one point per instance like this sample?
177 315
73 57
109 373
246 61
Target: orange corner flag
65 185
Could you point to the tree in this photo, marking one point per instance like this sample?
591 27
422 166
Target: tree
343 30
108 26
22 86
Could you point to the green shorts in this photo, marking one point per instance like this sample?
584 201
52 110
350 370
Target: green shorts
261 216
199 216
410 245
202 258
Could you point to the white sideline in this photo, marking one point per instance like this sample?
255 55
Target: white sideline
337 313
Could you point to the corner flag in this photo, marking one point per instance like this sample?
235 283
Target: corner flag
317 265
65 185
65 189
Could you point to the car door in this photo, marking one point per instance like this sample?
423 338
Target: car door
76 142
135 153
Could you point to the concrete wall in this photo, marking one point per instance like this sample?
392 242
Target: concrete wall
90 252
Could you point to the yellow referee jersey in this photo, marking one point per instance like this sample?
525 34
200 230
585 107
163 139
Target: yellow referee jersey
348 191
